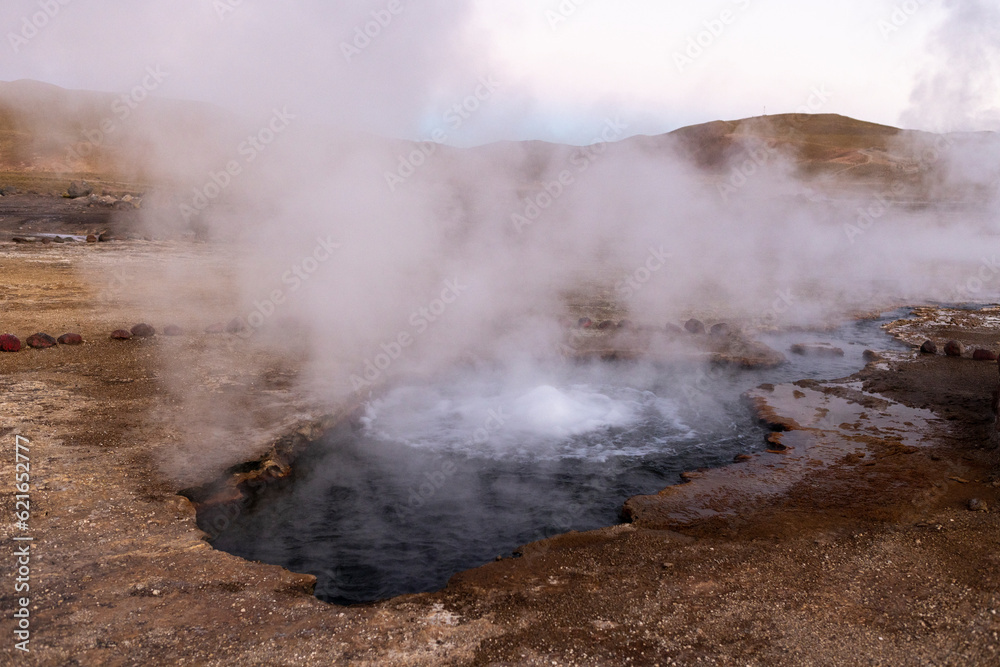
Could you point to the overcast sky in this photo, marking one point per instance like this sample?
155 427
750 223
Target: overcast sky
543 69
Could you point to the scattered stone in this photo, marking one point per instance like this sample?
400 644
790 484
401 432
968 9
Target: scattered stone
172 330
236 325
625 324
70 339
41 341
977 505
721 329
695 326
816 350
24 239
143 331
953 348
929 347
104 237
742 458
121 334
871 355
216 328
79 189
91 238
8 190
10 343
984 355
584 323
606 324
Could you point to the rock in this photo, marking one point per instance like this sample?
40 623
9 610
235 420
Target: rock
929 347
673 329
871 355
79 189
91 238
742 458
236 325
606 324
816 350
953 348
625 324
104 237
70 339
121 334
143 331
41 341
694 326
977 505
984 355
584 323
216 328
10 343
172 330
8 190
721 329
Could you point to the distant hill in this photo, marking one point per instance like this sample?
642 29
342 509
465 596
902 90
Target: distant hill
49 136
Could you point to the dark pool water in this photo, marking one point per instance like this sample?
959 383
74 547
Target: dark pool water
448 474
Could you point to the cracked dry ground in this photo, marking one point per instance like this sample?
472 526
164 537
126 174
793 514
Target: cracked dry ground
863 557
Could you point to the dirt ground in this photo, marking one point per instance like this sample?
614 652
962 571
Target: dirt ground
850 543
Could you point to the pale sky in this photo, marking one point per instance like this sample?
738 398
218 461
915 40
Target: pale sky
558 68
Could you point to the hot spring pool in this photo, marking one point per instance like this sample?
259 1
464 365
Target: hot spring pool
448 474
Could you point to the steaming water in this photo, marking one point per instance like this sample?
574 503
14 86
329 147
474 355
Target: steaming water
447 474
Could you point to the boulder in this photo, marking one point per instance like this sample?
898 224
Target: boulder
606 324
584 323
10 343
91 238
977 505
79 189
984 355
720 330
121 334
70 339
695 326
817 350
953 348
143 331
236 325
929 347
41 341
172 330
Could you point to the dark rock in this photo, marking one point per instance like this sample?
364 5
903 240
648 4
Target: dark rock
694 326
91 238
984 355
121 334
8 190
143 331
10 343
216 328
584 323
625 324
70 339
953 348
871 355
104 237
816 350
79 189
721 329
236 325
742 458
929 347
606 324
41 341
172 330
977 505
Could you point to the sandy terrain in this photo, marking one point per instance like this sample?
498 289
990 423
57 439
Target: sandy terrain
852 546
